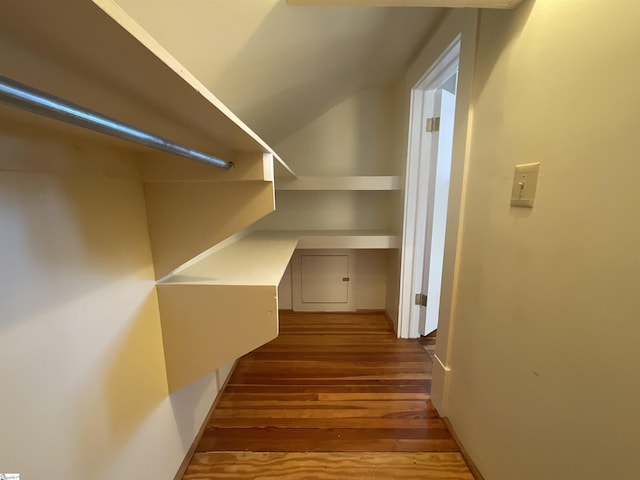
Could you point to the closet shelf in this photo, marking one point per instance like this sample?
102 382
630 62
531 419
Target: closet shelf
260 258
93 54
329 239
340 183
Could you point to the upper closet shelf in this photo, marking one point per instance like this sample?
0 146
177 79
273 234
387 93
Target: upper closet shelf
339 183
94 55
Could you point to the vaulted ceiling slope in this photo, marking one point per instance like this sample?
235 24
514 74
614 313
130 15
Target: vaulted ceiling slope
278 67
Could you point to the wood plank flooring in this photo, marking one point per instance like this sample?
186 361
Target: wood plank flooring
329 466
334 392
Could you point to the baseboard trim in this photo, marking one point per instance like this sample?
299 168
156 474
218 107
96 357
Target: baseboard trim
390 321
192 450
472 466
360 311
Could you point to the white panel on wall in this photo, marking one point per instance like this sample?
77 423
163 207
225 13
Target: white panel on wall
324 278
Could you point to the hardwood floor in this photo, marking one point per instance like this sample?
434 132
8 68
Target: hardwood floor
333 393
329 466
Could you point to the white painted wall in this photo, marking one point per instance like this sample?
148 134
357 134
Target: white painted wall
353 138
324 210
83 389
371 277
545 381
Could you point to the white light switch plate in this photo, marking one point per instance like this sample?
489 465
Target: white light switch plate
525 181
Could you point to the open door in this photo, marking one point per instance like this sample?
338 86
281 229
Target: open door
439 125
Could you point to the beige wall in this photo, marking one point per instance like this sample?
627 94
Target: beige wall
324 210
371 278
545 380
83 390
353 138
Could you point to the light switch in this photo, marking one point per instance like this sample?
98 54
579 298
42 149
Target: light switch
525 181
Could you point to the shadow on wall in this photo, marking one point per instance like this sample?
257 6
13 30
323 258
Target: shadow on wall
58 244
294 72
120 392
317 57
79 320
374 132
182 401
495 48
352 138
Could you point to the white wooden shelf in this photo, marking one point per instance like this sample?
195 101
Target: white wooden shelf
259 258
350 239
347 239
340 183
103 60
222 304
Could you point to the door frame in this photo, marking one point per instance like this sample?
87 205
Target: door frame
414 235
460 25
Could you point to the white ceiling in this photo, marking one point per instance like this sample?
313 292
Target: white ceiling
278 66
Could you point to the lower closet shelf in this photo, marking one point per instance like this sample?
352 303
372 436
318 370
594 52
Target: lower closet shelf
222 306
224 303
344 239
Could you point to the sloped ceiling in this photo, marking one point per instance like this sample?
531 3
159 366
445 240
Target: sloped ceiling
278 67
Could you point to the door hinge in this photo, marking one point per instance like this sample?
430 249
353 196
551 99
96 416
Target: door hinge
421 299
433 124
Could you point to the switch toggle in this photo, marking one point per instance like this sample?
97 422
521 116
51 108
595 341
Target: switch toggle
525 181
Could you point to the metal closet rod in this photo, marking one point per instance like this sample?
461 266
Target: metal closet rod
27 98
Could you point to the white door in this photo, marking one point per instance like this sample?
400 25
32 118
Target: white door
322 281
437 187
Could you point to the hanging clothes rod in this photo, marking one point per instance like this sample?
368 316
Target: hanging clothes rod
24 97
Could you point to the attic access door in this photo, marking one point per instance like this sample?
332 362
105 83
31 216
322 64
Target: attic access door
323 281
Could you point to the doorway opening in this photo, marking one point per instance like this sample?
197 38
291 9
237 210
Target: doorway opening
431 130
453 49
